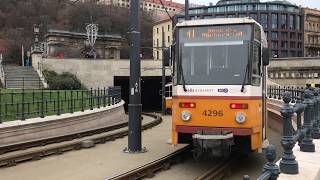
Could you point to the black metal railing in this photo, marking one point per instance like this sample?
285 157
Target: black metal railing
23 104
276 92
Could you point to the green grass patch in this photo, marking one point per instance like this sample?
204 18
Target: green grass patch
24 104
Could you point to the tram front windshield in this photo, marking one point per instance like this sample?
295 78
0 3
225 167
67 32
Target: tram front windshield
214 55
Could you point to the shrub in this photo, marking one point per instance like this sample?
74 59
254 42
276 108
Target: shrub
64 81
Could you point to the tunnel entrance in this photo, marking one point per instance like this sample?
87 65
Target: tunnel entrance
150 91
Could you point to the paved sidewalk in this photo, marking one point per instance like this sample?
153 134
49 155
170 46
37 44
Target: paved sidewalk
98 163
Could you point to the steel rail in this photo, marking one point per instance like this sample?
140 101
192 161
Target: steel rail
8 160
149 169
45 141
218 171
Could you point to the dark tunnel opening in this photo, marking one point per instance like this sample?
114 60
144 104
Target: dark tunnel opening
150 91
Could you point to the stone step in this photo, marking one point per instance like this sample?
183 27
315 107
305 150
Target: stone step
18 77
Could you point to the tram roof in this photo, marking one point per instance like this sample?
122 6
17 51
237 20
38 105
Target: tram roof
216 21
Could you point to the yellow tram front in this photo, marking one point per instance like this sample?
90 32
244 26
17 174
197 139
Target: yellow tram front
218 82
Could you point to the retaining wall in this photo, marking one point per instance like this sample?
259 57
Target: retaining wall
51 126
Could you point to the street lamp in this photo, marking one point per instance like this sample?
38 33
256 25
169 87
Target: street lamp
36 45
36 31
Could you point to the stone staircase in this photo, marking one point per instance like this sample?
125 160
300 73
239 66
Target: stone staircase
19 77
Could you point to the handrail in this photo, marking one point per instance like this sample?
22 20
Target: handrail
42 76
2 75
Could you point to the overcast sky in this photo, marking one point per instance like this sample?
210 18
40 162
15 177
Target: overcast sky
305 3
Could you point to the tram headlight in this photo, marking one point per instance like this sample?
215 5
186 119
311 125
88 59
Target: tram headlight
241 117
186 116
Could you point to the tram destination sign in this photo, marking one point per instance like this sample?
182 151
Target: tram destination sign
215 33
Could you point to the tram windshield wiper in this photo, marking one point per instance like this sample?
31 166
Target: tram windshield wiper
245 78
181 73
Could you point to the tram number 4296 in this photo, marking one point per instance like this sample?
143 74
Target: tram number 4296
212 113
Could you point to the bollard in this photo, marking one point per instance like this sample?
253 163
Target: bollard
307 144
270 170
288 163
299 108
315 128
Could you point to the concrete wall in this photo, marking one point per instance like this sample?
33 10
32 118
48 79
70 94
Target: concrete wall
99 73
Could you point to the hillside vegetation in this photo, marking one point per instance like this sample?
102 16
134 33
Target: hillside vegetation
17 18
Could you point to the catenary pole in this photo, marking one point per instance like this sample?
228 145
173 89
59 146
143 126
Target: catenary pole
186 9
163 75
135 106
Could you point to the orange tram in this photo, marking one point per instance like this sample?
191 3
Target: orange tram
218 85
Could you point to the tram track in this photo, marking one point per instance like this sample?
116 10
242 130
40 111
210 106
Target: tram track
218 171
35 150
150 169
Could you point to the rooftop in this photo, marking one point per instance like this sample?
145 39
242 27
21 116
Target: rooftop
167 3
227 2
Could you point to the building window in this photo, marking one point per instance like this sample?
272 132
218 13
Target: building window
169 39
274 21
284 21
157 30
292 44
274 44
298 23
274 35
169 27
291 22
299 45
221 9
250 7
262 7
292 35
284 44
231 15
273 7
264 20
284 35
242 8
231 8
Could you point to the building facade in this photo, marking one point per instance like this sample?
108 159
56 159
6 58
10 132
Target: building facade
162 31
68 44
312 32
147 5
282 21
298 71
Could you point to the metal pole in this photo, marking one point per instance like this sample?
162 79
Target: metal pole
22 55
163 75
187 17
135 106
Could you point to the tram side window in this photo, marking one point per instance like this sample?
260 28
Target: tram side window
256 60
256 65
